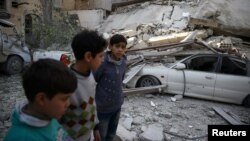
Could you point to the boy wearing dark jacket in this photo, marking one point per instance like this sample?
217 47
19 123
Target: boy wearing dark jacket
109 96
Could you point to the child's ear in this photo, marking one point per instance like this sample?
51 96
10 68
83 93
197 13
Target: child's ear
88 56
40 98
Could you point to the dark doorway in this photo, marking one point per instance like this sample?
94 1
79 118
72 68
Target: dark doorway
31 37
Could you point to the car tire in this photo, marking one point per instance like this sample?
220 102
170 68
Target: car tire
14 65
246 101
147 81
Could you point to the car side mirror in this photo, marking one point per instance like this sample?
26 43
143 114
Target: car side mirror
180 66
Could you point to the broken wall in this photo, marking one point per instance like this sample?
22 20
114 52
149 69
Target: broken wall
89 18
18 13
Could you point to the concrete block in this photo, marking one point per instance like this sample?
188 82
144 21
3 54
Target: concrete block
128 33
172 38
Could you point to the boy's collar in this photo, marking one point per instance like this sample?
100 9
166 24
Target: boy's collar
110 59
29 119
80 73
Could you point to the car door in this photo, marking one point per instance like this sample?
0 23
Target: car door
175 81
200 76
233 83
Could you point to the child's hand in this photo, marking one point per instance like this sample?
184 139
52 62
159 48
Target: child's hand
97 136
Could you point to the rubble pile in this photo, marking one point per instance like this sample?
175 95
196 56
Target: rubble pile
160 22
160 118
162 15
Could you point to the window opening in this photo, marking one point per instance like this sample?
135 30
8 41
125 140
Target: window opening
204 63
233 66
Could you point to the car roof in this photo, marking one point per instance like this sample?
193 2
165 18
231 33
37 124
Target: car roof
214 54
6 23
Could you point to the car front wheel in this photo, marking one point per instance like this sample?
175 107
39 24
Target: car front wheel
147 81
14 65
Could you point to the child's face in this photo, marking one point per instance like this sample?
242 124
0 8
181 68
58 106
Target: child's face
118 50
57 106
97 61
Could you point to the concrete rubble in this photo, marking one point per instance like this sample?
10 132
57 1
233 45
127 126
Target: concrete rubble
160 22
165 121
153 132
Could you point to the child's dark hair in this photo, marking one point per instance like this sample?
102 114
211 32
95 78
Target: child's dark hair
48 76
117 38
88 40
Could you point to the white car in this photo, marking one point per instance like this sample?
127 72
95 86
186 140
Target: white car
14 52
65 57
218 77
15 63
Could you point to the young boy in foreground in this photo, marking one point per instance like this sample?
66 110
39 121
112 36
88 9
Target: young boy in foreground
47 84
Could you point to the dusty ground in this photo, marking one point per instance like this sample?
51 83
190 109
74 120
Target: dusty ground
10 92
187 117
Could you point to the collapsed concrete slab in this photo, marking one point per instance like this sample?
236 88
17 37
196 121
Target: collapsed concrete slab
151 13
176 37
228 17
167 16
128 33
89 18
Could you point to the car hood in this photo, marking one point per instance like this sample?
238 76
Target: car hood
157 68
